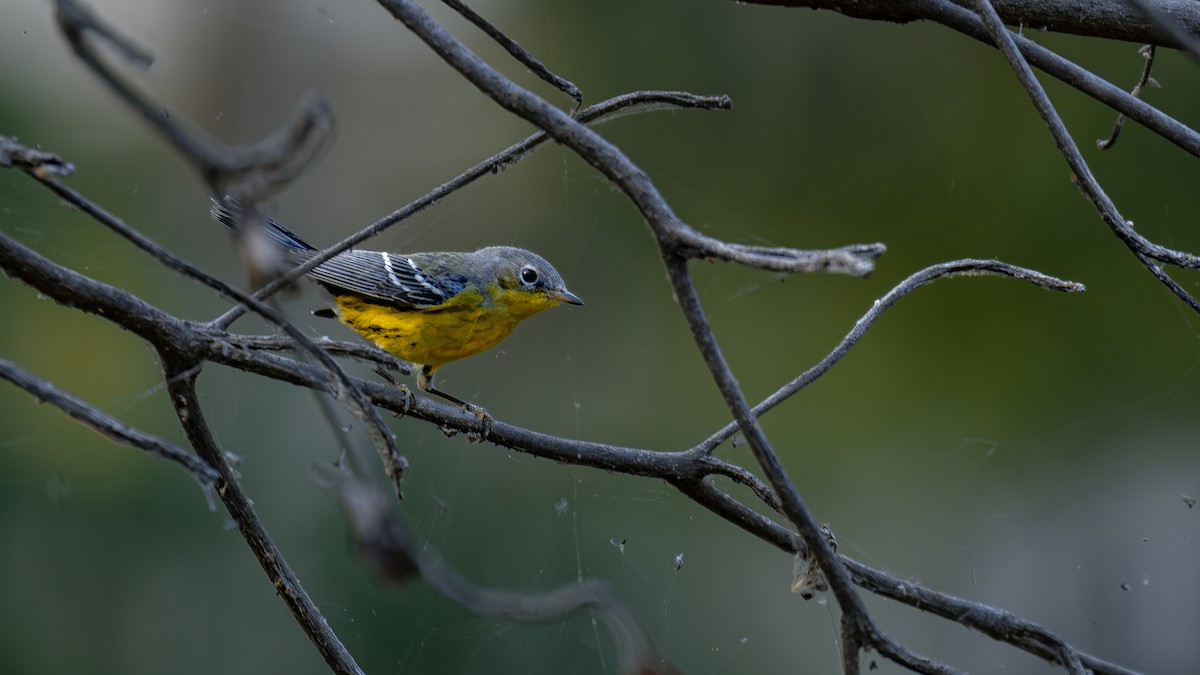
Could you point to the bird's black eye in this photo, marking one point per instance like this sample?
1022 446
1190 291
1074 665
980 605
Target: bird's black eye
529 275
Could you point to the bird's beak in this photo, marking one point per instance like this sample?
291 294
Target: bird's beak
563 295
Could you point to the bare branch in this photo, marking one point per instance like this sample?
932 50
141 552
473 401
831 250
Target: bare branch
1181 30
685 470
605 157
107 425
995 623
1144 249
859 629
181 387
949 269
619 106
1145 80
37 162
966 22
186 346
394 463
1091 18
259 169
517 52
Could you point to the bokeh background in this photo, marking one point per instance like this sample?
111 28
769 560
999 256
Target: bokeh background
990 439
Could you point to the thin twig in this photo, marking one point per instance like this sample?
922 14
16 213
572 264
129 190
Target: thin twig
1141 246
968 267
1147 52
259 169
518 52
968 23
107 425
630 103
609 160
394 462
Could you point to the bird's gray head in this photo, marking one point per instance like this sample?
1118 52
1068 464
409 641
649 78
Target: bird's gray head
520 270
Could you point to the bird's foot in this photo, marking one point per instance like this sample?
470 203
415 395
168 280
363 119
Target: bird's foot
485 423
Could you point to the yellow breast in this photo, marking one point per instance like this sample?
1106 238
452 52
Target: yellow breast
433 336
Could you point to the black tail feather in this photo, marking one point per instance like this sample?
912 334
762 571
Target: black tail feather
228 212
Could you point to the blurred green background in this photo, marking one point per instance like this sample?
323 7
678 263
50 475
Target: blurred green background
1010 445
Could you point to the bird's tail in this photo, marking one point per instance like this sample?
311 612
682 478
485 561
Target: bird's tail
228 212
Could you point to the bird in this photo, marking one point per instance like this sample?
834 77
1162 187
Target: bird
429 308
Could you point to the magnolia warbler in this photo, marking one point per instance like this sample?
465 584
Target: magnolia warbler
426 308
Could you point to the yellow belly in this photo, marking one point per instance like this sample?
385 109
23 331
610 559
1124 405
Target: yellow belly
432 336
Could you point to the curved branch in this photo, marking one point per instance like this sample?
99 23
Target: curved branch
957 268
261 168
1143 248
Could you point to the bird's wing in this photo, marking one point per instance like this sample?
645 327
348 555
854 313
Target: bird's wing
386 276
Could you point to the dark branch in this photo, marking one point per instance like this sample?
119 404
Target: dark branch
517 51
259 169
1147 51
181 386
608 159
37 162
966 22
626 104
107 425
394 463
1091 18
1145 250
859 629
1182 31
912 283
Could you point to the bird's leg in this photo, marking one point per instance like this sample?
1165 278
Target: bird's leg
425 382
382 372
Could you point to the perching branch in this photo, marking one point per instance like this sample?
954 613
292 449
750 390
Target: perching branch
690 471
394 463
